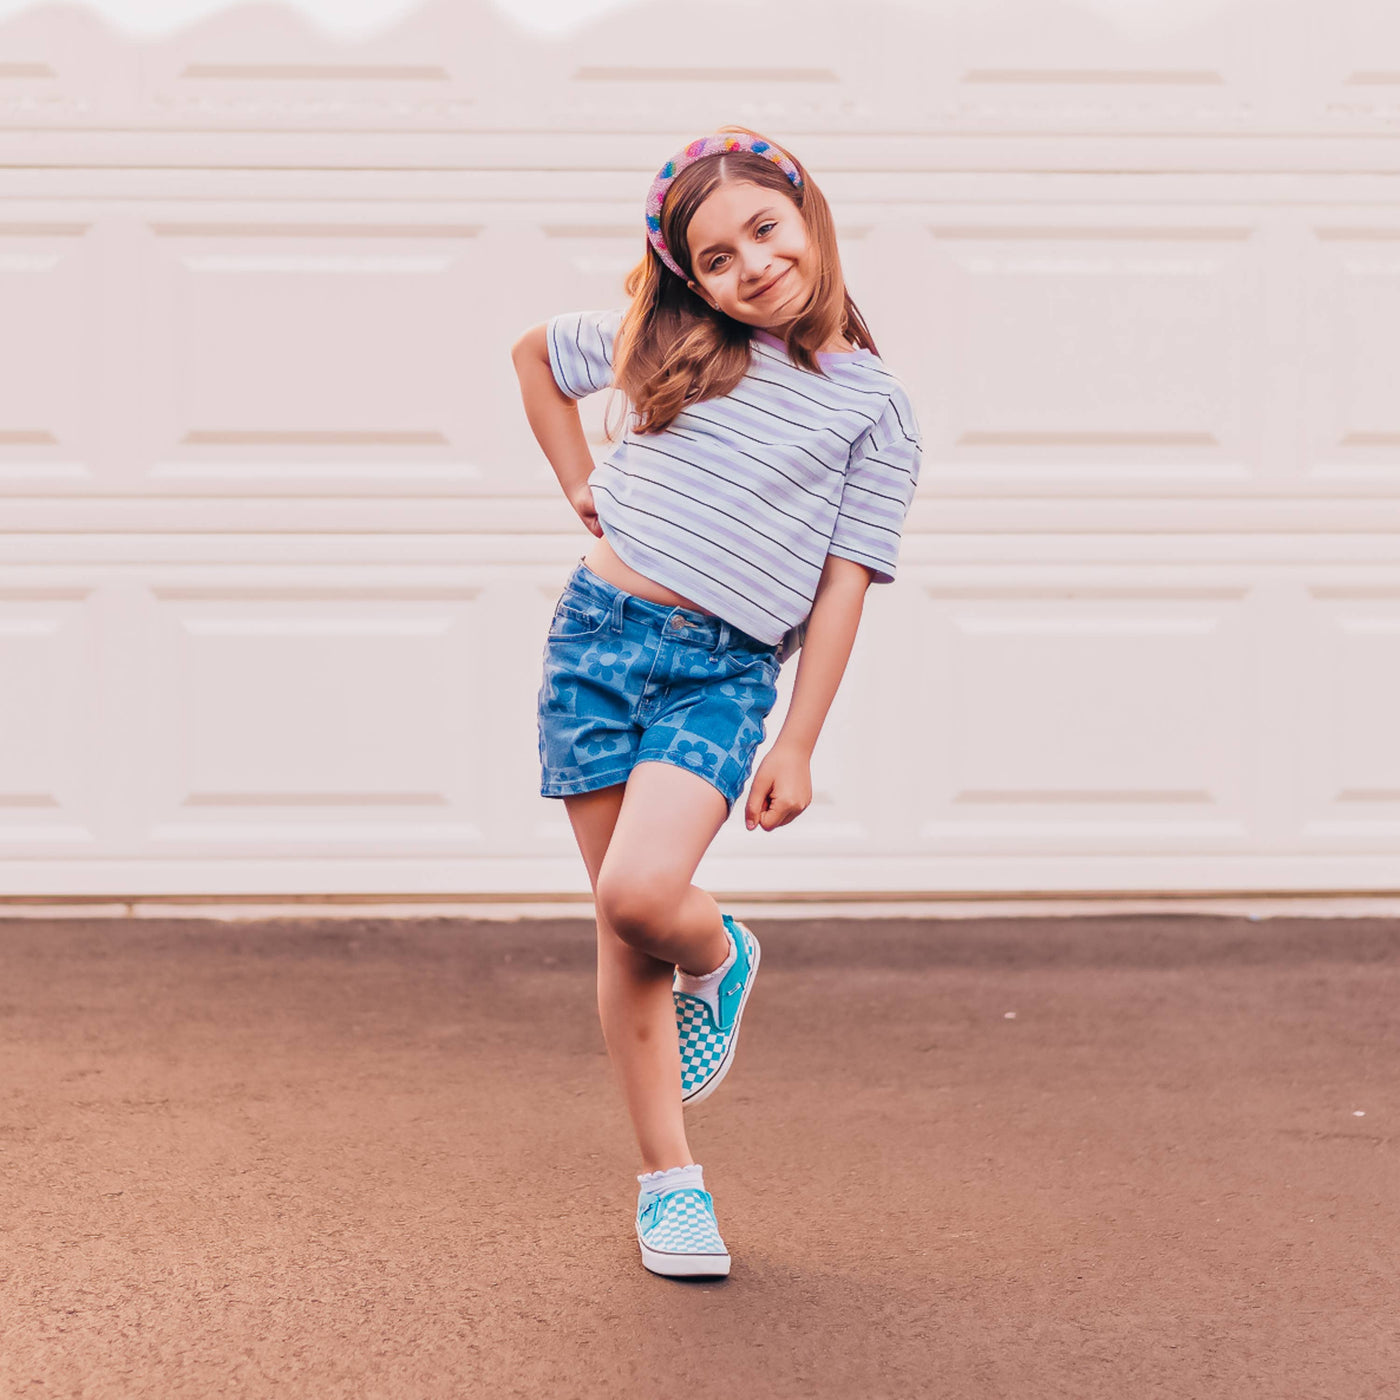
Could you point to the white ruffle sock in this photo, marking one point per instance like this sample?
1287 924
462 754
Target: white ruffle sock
706 986
673 1178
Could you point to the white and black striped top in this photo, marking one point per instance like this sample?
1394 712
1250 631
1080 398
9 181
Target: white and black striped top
737 504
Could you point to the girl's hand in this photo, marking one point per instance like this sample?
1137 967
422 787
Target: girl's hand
781 789
582 501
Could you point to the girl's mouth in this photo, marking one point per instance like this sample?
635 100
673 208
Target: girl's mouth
771 285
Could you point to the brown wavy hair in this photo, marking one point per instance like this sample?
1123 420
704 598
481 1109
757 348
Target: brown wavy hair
673 348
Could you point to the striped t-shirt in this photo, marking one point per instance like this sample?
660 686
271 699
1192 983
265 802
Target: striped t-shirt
737 504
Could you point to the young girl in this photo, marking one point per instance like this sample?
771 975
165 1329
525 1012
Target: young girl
760 486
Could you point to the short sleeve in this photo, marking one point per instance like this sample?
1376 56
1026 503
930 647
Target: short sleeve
880 479
581 350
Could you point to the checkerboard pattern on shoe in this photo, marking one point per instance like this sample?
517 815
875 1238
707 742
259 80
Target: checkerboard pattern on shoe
678 1234
706 1042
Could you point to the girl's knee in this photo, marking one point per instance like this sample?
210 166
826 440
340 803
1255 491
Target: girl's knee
636 908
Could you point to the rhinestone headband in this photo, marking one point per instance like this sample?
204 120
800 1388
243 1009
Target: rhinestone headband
697 150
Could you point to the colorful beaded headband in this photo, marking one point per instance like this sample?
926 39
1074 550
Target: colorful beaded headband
697 150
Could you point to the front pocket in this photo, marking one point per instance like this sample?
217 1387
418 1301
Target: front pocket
577 619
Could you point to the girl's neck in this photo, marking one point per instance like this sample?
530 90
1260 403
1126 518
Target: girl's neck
836 346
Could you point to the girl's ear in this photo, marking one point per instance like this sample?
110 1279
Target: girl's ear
694 288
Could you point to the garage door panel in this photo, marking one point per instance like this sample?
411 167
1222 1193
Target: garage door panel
1350 700
50 719
48 279
1109 349
261 66
1086 713
321 358
1353 340
319 716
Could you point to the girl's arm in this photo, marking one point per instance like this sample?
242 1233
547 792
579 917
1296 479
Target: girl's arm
553 418
782 787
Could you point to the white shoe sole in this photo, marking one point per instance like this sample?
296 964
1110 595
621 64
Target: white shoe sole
684 1265
710 1085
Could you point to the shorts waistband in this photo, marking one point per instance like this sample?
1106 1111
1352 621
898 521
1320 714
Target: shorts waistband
682 624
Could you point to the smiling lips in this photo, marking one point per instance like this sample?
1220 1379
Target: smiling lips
765 290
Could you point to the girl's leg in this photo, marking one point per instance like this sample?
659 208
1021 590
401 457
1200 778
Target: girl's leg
641 843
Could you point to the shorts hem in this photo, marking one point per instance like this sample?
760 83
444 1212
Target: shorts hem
582 785
620 775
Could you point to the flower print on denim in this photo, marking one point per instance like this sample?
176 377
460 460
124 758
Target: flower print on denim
607 660
704 664
603 743
698 756
560 689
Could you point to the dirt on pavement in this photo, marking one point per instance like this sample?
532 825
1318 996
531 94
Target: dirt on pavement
1148 1156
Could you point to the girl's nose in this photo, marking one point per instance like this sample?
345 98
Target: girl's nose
758 269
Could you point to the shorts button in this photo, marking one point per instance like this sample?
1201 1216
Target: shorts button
677 622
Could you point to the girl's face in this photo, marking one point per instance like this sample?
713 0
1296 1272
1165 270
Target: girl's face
751 256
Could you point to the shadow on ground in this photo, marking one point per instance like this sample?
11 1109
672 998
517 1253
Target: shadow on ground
1120 1157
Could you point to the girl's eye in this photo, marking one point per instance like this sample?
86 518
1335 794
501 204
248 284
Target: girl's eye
771 223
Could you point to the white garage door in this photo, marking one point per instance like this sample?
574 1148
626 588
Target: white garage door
278 550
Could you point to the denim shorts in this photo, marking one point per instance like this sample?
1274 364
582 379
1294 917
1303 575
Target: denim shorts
628 680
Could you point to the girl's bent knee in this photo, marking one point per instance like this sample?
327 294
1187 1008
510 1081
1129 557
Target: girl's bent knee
635 910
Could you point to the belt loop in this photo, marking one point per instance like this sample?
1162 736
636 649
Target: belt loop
618 603
721 637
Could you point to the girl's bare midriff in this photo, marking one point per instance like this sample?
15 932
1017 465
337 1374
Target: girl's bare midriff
604 562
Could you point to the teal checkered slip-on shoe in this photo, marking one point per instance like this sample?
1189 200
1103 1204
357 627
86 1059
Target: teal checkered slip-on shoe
707 1041
678 1235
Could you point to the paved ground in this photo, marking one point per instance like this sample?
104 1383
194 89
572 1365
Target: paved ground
380 1159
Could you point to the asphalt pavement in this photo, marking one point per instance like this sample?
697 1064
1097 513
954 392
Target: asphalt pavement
1150 1156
